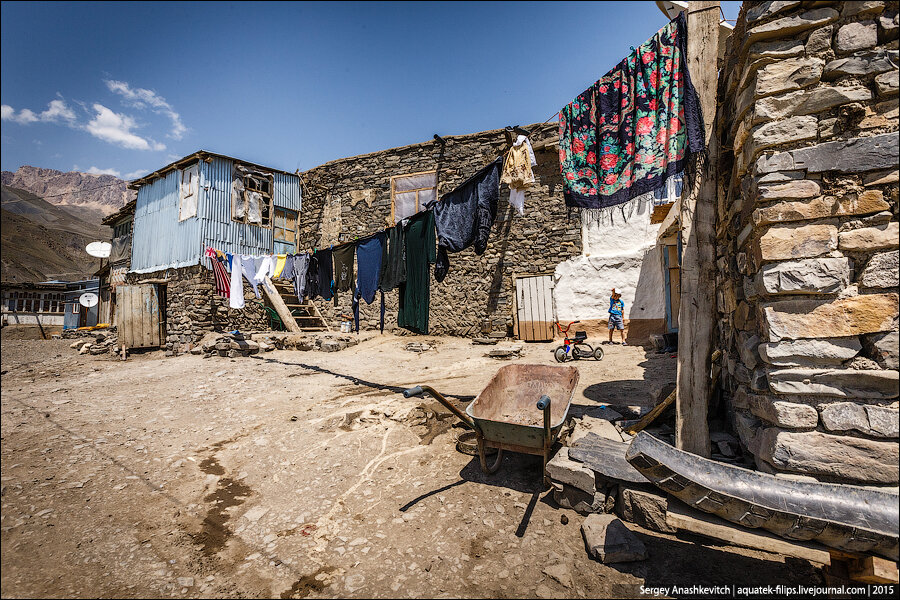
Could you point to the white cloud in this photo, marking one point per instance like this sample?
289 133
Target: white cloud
116 129
96 171
135 174
141 98
57 111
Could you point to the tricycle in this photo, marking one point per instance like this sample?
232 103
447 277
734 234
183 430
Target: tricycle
577 347
522 409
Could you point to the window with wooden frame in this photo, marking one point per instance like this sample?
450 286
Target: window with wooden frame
121 229
411 193
189 191
257 202
285 225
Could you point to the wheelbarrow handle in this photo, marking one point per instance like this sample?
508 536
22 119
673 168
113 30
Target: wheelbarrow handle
415 391
543 403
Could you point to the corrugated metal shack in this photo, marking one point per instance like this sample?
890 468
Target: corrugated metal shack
205 200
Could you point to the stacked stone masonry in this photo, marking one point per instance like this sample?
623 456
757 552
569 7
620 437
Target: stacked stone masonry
193 308
807 237
351 198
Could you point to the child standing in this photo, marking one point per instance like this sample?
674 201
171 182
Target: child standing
616 312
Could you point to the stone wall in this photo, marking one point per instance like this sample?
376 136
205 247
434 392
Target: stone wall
351 198
808 237
193 308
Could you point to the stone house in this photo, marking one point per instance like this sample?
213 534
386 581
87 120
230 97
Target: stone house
572 265
807 239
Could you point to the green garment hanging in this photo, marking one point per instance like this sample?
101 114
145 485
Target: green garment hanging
415 293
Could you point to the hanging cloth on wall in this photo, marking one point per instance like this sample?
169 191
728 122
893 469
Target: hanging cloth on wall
236 296
250 266
221 276
393 259
326 274
280 260
464 217
312 277
415 293
634 127
343 267
298 273
517 172
369 253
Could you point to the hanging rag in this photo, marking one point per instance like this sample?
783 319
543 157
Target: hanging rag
299 268
393 259
369 252
288 271
343 267
279 264
635 127
518 173
464 217
236 296
312 277
326 274
415 293
218 266
250 266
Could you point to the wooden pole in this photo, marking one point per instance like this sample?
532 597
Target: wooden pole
280 307
697 316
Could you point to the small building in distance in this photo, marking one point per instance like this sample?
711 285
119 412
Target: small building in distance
48 306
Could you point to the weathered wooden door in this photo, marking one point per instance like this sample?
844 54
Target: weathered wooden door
534 308
137 316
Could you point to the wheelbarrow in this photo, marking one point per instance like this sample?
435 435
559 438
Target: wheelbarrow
522 409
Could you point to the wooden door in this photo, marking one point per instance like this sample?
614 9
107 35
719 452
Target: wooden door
673 287
534 308
138 316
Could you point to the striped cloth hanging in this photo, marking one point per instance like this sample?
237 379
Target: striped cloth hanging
223 286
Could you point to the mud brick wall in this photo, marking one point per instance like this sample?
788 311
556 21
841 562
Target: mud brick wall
193 308
351 198
808 237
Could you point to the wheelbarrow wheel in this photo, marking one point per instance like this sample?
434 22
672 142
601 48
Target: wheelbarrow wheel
490 470
560 355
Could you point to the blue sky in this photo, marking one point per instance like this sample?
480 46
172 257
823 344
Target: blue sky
126 88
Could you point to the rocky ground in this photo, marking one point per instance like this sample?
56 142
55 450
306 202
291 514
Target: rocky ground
305 474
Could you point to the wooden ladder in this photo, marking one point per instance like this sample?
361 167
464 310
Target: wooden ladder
310 318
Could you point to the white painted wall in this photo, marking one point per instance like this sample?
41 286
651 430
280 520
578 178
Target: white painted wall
619 251
18 318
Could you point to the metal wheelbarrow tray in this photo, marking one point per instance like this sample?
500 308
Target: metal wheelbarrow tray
522 409
846 517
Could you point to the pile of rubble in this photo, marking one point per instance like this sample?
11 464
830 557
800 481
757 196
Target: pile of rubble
93 342
234 344
613 488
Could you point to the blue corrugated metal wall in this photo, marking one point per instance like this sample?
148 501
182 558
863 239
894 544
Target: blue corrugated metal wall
161 242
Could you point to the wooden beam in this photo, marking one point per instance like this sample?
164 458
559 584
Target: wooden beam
873 569
652 415
697 316
682 517
278 303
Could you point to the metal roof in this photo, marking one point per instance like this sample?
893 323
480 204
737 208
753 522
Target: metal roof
200 154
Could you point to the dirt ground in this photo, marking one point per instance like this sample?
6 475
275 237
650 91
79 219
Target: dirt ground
305 474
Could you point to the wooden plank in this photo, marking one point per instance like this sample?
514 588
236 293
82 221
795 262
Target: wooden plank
135 316
652 415
154 336
874 569
698 223
146 315
532 305
278 303
547 294
683 517
120 323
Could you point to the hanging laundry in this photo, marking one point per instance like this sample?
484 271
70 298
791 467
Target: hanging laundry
312 277
288 271
326 274
634 127
250 266
343 267
218 266
369 254
415 293
236 297
266 267
517 172
279 264
298 269
464 217
393 259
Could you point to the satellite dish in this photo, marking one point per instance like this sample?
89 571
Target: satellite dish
99 249
88 299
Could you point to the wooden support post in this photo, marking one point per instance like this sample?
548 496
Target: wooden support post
280 307
697 316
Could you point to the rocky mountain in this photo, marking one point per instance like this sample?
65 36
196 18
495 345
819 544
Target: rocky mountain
104 193
40 240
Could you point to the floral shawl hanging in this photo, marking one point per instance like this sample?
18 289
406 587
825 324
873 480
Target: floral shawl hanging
634 127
